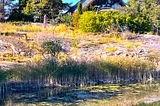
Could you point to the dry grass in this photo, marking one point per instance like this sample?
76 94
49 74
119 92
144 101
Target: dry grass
7 27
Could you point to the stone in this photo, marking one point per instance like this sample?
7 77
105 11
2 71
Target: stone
118 52
22 53
125 55
141 51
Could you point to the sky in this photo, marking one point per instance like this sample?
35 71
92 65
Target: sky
75 1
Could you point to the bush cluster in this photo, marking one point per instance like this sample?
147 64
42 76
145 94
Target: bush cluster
66 19
14 16
91 22
139 24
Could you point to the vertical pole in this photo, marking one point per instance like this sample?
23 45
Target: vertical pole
45 21
3 13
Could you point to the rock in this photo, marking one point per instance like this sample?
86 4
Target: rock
22 53
111 54
118 52
125 55
141 51
132 54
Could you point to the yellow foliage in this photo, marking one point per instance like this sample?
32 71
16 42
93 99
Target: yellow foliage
111 49
38 57
128 46
60 28
62 57
137 44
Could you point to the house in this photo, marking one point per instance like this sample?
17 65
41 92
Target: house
103 5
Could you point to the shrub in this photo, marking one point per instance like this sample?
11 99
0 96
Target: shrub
80 8
16 16
67 19
60 28
52 47
139 24
91 22
113 17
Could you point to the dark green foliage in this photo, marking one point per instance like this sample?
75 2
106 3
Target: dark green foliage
80 7
66 19
89 8
3 76
17 16
85 9
52 47
149 9
71 69
22 4
52 8
139 24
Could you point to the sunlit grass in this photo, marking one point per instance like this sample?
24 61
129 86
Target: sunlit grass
137 44
7 27
128 46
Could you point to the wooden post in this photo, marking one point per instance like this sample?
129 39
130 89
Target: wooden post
45 21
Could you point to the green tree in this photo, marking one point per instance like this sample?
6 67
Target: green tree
22 4
152 10
80 7
40 8
148 8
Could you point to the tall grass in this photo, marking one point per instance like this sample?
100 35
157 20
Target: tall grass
111 69
71 73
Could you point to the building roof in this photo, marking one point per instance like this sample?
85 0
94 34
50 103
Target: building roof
86 3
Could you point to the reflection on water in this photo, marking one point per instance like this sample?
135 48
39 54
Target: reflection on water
11 98
52 96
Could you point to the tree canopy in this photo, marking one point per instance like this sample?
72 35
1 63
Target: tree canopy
37 9
149 8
